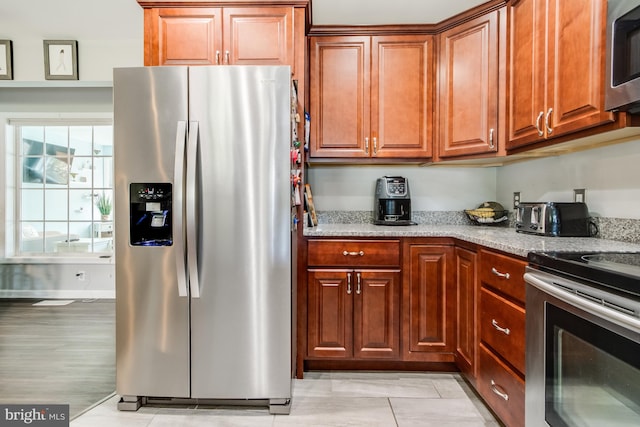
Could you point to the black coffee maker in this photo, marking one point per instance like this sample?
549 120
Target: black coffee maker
392 201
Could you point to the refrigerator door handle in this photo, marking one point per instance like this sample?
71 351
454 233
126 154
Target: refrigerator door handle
192 242
178 180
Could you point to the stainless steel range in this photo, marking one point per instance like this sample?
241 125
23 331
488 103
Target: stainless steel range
583 339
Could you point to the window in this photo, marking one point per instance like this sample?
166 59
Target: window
64 188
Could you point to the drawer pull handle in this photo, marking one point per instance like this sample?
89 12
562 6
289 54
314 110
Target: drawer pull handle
497 273
496 389
345 253
506 331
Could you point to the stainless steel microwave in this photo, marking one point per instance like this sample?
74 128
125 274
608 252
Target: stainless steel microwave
622 88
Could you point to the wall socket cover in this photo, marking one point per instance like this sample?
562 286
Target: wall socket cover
516 199
579 195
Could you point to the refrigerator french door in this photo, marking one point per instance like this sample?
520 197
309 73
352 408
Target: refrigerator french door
203 236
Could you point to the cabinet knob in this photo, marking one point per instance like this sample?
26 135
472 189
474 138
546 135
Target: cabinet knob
217 57
491 143
375 145
358 284
366 145
349 283
345 253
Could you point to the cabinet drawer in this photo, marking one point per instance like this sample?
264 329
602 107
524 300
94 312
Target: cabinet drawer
503 273
502 327
501 388
354 253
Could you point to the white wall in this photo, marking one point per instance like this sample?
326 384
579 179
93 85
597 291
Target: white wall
610 175
432 188
109 34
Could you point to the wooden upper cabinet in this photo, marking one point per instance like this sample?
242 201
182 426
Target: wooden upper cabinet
557 68
258 36
470 93
339 98
182 36
219 36
401 96
371 97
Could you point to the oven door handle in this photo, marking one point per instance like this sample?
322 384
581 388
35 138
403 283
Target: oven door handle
626 321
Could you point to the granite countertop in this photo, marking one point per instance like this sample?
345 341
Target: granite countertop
501 238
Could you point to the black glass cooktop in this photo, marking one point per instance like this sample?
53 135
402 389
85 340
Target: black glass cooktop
617 271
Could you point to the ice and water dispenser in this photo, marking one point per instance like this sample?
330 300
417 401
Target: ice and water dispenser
150 214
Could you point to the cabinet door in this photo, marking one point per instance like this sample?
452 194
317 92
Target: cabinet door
550 40
401 96
576 77
258 36
527 94
428 304
469 64
466 309
376 322
330 313
340 98
182 36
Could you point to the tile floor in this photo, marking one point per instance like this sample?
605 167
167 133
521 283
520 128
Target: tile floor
384 399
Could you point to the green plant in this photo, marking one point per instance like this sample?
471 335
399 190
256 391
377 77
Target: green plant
103 203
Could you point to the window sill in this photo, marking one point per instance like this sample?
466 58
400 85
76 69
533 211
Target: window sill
73 259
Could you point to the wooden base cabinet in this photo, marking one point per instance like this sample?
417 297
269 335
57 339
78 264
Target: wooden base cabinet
428 303
501 388
501 362
466 313
353 314
353 299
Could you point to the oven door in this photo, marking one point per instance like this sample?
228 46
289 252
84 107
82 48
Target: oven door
583 359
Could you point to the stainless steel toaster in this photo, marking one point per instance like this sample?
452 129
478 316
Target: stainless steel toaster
570 219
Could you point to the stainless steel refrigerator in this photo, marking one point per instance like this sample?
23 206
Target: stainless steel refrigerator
203 235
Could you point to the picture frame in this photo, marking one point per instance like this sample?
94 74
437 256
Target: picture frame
60 60
6 60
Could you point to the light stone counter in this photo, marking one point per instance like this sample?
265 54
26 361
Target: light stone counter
501 238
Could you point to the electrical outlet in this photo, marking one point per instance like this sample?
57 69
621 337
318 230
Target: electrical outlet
579 195
516 199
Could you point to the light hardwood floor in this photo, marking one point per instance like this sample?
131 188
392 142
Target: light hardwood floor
57 354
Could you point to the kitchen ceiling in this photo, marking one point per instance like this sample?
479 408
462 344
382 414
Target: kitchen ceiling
89 19
377 12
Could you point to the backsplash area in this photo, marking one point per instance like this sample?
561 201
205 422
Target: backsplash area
624 230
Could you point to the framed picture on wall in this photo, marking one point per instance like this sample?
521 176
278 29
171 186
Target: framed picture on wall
6 59
60 60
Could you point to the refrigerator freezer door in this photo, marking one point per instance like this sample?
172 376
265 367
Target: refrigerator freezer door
241 323
152 320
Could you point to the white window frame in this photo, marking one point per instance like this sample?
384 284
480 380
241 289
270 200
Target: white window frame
11 175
